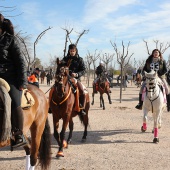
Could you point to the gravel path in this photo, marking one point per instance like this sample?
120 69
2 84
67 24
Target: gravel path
114 141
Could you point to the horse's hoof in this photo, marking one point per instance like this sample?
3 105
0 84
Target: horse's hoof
152 131
83 140
103 108
110 102
65 144
156 140
143 130
60 154
69 141
92 103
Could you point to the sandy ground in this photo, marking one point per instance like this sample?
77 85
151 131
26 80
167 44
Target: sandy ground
114 142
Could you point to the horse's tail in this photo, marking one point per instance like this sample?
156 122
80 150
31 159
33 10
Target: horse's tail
45 148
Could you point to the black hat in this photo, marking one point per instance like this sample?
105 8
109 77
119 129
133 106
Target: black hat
37 69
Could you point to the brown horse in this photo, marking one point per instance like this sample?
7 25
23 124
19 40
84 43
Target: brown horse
62 104
103 87
42 76
138 79
35 120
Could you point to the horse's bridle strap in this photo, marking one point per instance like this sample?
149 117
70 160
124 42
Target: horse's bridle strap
64 98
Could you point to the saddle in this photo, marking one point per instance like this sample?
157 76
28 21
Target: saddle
27 99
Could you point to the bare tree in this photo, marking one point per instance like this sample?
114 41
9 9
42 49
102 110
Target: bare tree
25 50
107 58
95 57
123 60
68 32
158 45
88 61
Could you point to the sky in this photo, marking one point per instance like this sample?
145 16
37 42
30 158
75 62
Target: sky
107 20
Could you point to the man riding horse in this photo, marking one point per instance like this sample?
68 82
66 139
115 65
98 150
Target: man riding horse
155 62
99 70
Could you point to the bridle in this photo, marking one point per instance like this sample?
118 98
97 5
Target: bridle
152 90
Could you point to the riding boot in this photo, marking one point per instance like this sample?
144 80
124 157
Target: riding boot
82 100
139 106
17 130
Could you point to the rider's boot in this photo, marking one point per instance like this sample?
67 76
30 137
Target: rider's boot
82 100
139 106
17 123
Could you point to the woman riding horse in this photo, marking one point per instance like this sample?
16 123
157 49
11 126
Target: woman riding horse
13 70
155 62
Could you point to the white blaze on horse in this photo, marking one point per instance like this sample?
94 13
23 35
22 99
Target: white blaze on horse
153 100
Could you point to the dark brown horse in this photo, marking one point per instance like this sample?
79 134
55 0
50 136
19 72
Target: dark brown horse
35 120
63 102
103 87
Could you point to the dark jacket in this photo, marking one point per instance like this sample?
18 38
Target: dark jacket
100 69
12 64
162 69
77 65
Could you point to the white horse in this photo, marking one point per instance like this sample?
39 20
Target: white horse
154 102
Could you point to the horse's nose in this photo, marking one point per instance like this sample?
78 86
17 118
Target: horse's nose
150 84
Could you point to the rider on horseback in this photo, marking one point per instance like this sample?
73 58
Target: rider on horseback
155 62
99 70
76 69
13 70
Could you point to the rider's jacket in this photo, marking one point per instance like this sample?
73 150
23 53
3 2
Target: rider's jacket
12 64
77 65
100 69
159 66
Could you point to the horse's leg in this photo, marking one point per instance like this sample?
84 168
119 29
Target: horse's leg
102 101
156 117
36 133
144 126
27 151
71 126
92 103
56 126
62 135
85 122
109 98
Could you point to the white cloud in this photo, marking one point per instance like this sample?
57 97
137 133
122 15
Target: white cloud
98 10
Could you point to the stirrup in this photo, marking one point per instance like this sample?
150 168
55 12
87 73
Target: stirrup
19 141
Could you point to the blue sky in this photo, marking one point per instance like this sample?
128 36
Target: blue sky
127 20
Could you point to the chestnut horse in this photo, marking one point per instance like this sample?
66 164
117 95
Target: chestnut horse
103 87
62 104
35 120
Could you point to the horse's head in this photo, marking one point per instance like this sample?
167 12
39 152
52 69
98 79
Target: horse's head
102 77
61 76
151 80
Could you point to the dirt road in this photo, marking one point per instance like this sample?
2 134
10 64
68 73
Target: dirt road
115 141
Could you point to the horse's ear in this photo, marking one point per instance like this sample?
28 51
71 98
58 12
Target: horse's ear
69 63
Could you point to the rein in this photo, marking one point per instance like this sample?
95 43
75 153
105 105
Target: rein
63 99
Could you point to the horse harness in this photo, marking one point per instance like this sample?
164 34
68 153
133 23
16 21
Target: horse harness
151 89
